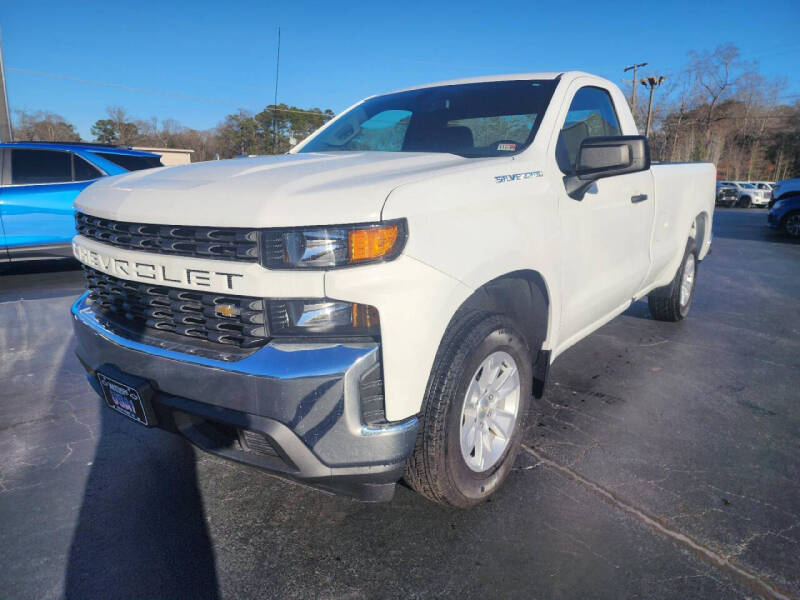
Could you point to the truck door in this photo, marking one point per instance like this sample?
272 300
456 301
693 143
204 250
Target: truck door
36 198
605 237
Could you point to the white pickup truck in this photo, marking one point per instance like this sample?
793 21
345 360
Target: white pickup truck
385 301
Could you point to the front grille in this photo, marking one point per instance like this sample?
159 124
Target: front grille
215 322
228 243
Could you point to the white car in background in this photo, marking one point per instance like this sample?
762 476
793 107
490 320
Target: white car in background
765 186
749 194
761 192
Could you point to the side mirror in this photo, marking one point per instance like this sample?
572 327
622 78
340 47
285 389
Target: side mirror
601 157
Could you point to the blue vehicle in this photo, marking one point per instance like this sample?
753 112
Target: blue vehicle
784 214
38 185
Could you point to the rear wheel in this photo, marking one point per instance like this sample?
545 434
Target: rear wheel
672 301
791 224
475 410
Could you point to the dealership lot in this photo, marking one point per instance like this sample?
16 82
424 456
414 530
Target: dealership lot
665 463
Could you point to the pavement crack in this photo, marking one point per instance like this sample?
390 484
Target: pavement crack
743 575
66 456
745 544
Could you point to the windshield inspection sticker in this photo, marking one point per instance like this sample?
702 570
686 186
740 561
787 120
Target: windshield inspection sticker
507 147
517 176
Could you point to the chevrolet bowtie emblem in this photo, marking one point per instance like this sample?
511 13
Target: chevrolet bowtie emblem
227 310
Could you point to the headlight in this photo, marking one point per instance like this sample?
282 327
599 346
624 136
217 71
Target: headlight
321 316
332 246
778 204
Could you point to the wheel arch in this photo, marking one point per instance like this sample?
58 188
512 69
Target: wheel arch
702 233
523 296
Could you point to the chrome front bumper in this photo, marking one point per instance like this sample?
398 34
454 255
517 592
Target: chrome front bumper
304 398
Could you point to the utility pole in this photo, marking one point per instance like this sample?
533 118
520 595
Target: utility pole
275 104
633 68
652 83
5 120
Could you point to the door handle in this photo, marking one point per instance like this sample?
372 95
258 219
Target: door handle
638 198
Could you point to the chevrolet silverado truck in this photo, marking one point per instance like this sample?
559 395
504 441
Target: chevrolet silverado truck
385 301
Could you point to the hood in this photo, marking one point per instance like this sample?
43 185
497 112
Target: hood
275 191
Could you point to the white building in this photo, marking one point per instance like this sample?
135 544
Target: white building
170 156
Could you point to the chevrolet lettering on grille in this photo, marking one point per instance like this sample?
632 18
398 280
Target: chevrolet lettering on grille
148 269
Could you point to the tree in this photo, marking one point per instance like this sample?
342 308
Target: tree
712 72
169 133
268 132
783 150
43 126
118 128
725 111
277 124
237 134
104 131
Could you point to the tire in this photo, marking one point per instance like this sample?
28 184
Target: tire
438 467
791 225
665 302
744 202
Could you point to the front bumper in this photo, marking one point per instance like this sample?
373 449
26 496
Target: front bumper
774 219
301 401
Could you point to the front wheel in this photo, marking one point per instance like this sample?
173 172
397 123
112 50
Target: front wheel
474 414
791 224
744 202
672 301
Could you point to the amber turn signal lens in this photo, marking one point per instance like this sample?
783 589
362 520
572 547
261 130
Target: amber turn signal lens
365 316
372 243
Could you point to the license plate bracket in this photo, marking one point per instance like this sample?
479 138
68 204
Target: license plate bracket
128 395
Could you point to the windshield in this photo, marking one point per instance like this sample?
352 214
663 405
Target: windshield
496 118
749 186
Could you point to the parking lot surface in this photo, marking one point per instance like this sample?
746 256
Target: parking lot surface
664 463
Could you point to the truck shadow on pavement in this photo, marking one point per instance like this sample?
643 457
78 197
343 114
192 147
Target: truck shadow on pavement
141 531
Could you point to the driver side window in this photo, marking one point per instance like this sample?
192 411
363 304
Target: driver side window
591 114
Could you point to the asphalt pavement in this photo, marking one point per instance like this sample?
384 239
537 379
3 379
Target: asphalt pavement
665 463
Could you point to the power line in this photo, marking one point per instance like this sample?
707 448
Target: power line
122 86
155 92
778 51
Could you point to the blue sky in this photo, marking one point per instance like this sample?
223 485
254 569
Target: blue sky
199 61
